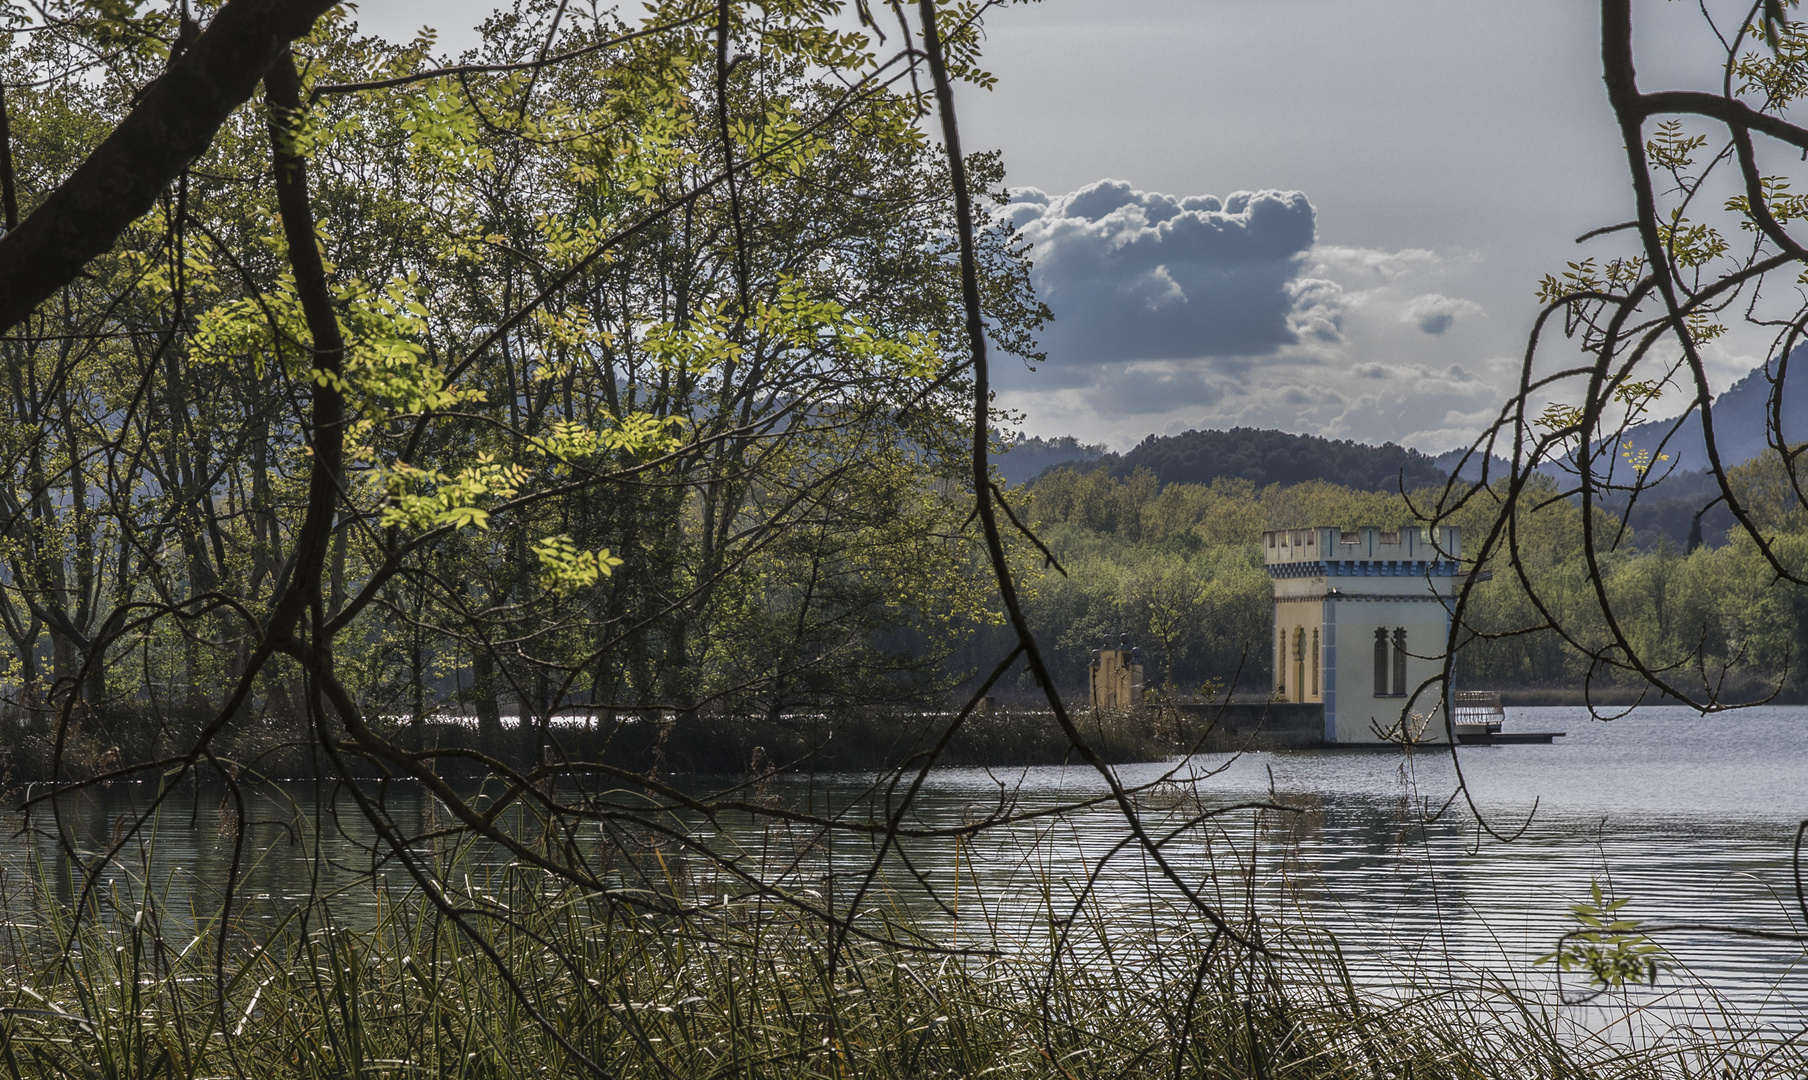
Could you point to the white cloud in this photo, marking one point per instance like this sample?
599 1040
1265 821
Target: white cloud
1370 265
1174 312
1140 276
1318 310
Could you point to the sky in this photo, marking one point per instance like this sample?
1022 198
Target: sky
1323 216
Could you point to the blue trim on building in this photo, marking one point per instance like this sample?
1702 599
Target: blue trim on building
1375 568
1329 684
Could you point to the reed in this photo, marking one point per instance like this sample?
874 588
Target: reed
508 976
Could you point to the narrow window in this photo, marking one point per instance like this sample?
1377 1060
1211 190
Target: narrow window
1299 663
1380 661
1399 661
1315 661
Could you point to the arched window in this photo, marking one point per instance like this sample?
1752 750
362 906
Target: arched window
1380 661
1399 661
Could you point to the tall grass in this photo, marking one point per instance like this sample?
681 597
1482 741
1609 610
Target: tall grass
507 975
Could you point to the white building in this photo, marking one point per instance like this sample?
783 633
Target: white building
1361 620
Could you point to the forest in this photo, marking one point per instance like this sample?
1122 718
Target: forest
639 412
1273 457
1178 566
635 419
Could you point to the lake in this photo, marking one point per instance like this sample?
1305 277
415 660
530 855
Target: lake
1690 819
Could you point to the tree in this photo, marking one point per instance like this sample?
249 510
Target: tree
636 368
1712 225
580 301
618 366
171 122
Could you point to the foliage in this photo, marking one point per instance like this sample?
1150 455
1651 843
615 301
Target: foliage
1026 457
627 386
618 435
732 988
1695 269
1610 948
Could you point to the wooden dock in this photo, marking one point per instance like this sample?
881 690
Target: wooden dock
1502 738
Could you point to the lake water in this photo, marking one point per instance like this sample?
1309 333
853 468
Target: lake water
1691 819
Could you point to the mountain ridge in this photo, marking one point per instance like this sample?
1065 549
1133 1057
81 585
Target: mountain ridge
1261 455
1741 419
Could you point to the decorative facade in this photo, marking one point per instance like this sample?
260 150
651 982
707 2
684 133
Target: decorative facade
1361 619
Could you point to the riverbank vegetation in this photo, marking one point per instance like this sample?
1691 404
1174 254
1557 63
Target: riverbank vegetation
634 419
631 382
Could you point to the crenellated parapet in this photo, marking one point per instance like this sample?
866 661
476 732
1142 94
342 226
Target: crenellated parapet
1364 569
1366 546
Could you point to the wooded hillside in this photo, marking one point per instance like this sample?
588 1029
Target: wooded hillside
1265 457
1179 568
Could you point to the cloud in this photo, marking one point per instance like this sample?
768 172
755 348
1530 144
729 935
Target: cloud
1176 312
1318 310
1149 387
1435 314
1367 266
1141 276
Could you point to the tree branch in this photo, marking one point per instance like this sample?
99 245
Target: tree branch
301 584
171 126
1729 111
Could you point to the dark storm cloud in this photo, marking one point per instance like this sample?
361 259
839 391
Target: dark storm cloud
1141 276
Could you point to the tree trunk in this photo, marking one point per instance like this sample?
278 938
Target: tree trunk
483 696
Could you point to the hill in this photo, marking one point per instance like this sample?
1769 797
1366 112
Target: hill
1025 458
1741 415
1277 457
1682 488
